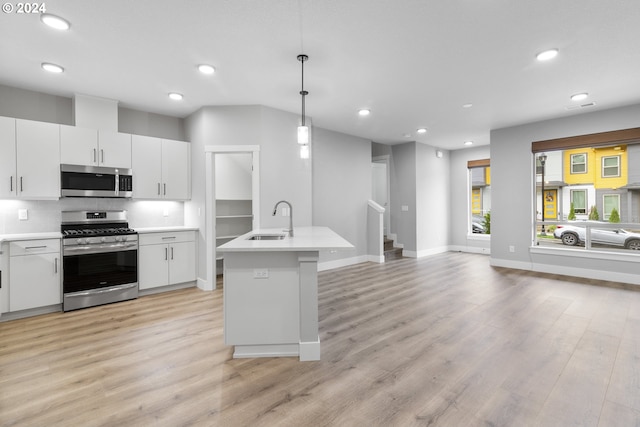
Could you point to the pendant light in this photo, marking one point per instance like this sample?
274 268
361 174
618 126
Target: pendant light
303 129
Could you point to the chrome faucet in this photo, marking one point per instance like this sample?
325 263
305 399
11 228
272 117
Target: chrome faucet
275 209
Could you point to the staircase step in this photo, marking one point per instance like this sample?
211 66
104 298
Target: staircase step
394 253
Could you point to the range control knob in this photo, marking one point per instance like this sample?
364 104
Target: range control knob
118 238
81 241
103 239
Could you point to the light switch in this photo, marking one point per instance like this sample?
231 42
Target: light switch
23 214
404 208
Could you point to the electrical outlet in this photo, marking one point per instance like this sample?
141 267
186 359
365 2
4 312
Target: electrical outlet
512 249
404 208
260 273
165 212
23 214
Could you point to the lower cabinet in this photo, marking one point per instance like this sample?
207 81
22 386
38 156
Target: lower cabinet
166 258
34 274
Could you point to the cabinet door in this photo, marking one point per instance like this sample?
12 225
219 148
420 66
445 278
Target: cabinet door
7 157
182 265
146 162
35 281
78 146
176 169
114 149
153 266
38 159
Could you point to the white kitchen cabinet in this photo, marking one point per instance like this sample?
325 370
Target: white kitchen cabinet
7 157
29 159
34 274
37 160
166 258
91 147
161 168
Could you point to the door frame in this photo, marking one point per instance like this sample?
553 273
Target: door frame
210 200
386 159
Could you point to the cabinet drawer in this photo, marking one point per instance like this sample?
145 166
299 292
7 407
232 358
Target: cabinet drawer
167 237
28 247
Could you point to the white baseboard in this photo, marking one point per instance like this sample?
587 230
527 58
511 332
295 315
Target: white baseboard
344 262
376 259
310 350
470 249
205 285
586 273
518 265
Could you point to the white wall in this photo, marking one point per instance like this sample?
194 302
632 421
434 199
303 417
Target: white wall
512 190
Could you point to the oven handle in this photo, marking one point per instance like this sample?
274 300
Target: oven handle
102 291
101 248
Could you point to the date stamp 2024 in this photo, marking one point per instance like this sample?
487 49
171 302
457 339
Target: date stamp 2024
21 8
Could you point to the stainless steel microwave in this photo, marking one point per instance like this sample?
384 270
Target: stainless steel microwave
94 181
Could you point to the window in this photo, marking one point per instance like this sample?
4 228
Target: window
579 163
610 166
480 196
610 202
579 201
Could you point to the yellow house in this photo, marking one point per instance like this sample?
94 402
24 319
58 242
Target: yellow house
602 167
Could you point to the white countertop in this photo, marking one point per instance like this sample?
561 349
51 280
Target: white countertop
30 236
142 230
304 239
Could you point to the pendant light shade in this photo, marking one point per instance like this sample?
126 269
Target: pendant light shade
303 135
303 129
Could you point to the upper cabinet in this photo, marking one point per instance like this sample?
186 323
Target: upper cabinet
161 168
91 147
29 159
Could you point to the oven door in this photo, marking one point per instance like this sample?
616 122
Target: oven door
99 278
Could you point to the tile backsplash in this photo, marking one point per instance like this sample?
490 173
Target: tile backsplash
44 216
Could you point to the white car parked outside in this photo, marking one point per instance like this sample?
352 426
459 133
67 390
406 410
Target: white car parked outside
575 234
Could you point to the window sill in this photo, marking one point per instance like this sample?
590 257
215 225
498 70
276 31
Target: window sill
477 236
583 253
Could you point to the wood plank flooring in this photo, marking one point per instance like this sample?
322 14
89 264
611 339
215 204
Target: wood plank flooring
440 341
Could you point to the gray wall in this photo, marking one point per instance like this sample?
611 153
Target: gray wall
30 105
403 192
432 200
459 200
341 188
512 188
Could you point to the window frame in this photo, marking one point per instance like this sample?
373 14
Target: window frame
572 163
586 200
606 216
615 156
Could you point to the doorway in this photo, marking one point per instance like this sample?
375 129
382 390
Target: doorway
380 187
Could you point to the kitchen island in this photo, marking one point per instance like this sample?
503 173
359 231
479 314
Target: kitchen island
271 291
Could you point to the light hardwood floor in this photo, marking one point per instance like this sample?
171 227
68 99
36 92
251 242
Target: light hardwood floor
441 341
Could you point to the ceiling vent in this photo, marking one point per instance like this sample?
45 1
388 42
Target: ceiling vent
576 107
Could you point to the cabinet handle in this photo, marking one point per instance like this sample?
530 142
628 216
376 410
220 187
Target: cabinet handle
166 254
21 188
171 252
165 188
102 156
35 247
94 155
158 189
11 183
55 266
168 237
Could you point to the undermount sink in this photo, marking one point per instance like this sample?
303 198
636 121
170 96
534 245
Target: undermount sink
266 237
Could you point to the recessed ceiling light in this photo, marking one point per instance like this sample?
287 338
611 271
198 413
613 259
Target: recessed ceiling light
468 143
469 105
407 135
206 69
175 96
364 112
579 96
52 68
547 55
54 21
422 130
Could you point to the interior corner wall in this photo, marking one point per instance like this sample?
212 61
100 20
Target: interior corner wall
460 198
30 105
403 194
432 200
512 186
341 188
151 124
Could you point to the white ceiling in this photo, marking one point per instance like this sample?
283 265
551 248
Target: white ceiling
414 63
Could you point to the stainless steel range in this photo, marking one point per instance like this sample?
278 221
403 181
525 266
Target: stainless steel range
100 259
